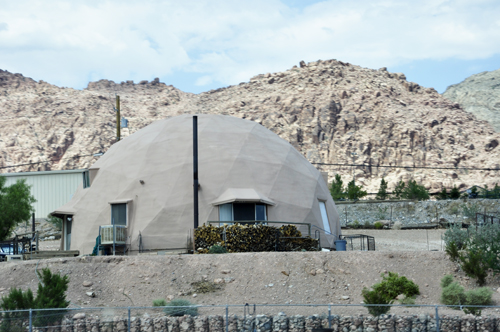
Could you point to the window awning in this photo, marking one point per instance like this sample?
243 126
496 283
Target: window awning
62 213
121 201
242 195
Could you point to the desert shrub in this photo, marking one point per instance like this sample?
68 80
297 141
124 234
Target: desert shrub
392 285
453 294
478 296
159 303
451 250
217 249
475 265
446 280
470 210
407 300
456 234
356 224
374 297
378 225
367 224
205 286
180 307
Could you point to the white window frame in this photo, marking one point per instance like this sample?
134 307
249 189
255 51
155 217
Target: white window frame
324 217
67 244
126 213
232 211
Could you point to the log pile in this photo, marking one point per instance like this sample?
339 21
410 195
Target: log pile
252 238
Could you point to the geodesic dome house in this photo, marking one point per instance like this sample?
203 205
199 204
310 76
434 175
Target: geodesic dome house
143 186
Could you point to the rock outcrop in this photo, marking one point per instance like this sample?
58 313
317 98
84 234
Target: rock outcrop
479 94
333 112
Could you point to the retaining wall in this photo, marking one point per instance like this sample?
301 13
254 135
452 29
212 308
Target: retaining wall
280 323
413 212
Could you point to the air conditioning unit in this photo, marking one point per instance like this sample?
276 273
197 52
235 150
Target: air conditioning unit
14 258
107 234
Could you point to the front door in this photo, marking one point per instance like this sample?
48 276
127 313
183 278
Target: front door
67 235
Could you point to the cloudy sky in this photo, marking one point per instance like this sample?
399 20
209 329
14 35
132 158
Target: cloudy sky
198 45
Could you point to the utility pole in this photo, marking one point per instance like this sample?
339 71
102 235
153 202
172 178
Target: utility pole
195 171
118 135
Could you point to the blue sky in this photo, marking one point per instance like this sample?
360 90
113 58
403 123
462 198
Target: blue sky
198 45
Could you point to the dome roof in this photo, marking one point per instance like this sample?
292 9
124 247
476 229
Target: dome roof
152 171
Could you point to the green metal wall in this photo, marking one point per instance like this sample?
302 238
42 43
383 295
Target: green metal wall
51 189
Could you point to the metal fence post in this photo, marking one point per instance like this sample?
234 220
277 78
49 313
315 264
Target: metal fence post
329 316
31 320
128 324
437 319
227 318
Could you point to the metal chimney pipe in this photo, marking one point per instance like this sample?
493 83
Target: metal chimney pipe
195 170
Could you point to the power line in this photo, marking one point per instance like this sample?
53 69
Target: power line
51 161
415 167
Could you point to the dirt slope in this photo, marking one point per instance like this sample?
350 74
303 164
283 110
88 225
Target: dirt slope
261 278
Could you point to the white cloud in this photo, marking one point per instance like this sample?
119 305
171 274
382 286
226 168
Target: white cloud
226 42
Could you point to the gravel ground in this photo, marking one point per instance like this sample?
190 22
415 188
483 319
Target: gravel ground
268 278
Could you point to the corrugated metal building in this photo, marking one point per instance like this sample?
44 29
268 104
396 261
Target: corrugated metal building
50 188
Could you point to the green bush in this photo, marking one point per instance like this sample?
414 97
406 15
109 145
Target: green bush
451 250
51 294
356 224
55 222
470 210
455 233
453 294
159 303
475 265
446 280
407 300
392 285
478 296
180 307
374 297
378 225
217 249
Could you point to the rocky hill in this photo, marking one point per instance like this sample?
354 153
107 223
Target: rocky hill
331 111
480 95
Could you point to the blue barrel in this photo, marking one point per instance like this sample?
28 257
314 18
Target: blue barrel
340 245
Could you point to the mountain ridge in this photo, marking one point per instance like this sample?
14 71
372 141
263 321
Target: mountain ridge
331 111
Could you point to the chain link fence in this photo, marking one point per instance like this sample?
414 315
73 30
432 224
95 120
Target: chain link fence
261 317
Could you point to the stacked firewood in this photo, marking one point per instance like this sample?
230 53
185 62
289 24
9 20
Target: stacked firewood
252 238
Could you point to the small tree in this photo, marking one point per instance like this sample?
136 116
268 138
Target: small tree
336 188
15 205
51 295
355 192
413 190
455 193
382 191
398 191
443 194
55 222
